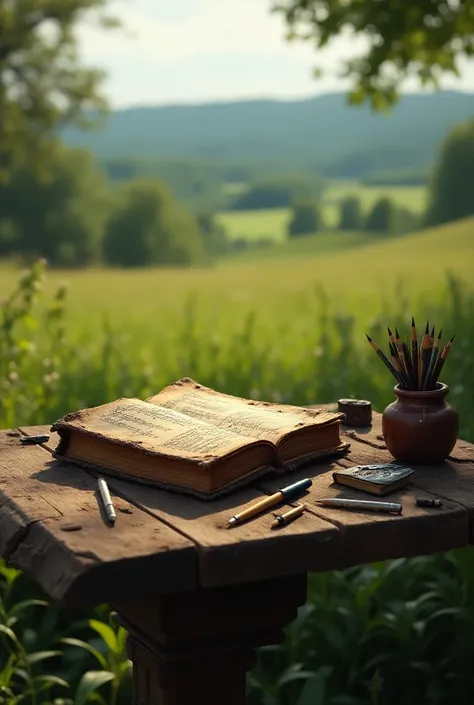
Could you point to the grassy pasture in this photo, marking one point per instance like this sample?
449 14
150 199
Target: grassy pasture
272 223
355 266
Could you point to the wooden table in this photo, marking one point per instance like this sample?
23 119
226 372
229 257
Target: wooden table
197 598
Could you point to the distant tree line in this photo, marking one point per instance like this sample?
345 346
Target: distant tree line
72 217
384 217
75 217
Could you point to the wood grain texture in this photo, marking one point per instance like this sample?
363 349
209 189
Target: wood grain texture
323 538
198 650
51 526
249 552
369 536
451 481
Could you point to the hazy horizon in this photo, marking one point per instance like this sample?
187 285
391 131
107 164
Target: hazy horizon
204 51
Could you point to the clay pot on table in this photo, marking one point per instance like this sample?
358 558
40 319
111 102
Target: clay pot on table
420 427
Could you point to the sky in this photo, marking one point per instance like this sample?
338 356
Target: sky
194 51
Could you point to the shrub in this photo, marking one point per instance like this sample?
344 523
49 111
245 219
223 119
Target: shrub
381 217
306 219
350 216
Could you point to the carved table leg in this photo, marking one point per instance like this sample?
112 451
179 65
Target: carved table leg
196 647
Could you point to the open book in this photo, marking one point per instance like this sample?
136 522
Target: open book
193 439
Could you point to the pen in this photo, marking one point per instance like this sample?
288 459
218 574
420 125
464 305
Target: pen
339 503
106 499
287 517
287 493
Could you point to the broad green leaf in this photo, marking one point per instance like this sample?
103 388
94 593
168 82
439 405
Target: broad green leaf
48 681
314 690
87 647
106 632
7 671
10 634
25 604
89 683
38 656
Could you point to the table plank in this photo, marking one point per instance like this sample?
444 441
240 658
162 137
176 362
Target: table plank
51 526
323 538
244 553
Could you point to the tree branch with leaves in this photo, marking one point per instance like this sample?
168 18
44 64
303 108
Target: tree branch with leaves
420 38
42 83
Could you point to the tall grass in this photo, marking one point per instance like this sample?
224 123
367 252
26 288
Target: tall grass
376 634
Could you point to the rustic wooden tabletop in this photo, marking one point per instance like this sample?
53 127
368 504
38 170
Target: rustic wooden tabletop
178 576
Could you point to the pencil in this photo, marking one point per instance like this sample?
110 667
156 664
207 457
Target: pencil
384 359
425 356
401 353
409 366
393 345
397 364
441 361
414 352
434 357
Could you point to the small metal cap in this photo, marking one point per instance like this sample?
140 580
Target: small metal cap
428 502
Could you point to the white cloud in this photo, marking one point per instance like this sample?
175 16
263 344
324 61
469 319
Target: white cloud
193 50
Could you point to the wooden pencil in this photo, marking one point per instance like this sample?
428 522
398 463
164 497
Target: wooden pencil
440 362
414 352
384 359
434 357
397 365
425 356
415 365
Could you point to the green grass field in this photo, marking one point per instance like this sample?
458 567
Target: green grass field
272 224
356 272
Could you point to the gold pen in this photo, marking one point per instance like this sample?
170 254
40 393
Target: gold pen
287 494
287 517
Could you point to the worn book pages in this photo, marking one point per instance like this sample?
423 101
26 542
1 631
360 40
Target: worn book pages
155 429
252 419
192 438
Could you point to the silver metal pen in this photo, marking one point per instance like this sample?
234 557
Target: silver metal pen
361 504
107 500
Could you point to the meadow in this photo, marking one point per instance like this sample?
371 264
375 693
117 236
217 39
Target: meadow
287 328
272 224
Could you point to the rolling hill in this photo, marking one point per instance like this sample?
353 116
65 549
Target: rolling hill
316 131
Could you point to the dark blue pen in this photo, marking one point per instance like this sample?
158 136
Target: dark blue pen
287 494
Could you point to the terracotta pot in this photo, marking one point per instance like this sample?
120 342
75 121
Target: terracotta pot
420 428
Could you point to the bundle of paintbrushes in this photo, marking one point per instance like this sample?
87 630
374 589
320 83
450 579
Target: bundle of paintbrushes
416 365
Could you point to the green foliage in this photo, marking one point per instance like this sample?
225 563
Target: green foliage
405 221
149 228
404 39
60 216
452 186
306 219
350 215
392 632
38 667
43 86
381 217
397 177
279 192
213 235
